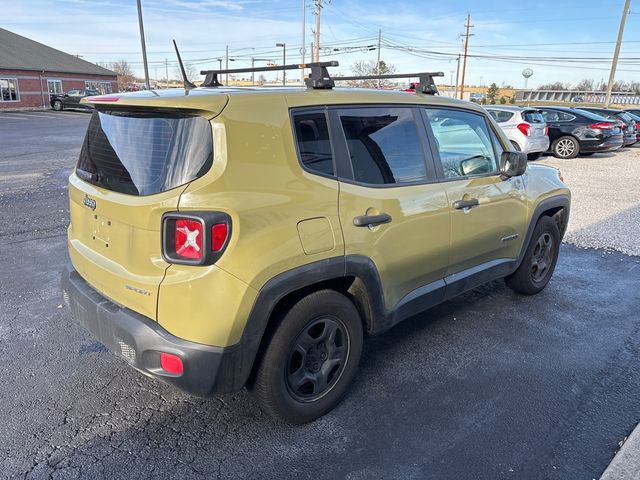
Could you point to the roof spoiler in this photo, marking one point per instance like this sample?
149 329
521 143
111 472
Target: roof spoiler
319 77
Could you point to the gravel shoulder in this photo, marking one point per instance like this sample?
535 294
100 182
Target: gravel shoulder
605 204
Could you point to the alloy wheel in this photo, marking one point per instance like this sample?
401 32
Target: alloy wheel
565 147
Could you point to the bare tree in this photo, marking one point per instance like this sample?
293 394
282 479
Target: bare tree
585 84
553 86
364 68
126 78
189 69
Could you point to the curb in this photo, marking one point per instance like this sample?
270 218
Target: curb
626 463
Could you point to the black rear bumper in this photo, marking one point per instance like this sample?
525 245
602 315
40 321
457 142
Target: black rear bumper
139 340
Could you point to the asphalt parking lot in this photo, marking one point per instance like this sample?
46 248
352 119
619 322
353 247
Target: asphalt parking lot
489 385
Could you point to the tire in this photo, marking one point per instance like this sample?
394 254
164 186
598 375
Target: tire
57 105
516 146
311 358
530 277
565 147
534 156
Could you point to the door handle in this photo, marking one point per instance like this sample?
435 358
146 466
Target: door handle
371 220
461 204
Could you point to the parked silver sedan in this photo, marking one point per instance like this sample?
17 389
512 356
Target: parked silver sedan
525 128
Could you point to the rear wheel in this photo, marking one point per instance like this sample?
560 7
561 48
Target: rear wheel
515 146
57 105
311 358
539 260
565 147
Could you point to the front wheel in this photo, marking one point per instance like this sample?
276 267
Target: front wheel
311 358
539 260
57 105
565 147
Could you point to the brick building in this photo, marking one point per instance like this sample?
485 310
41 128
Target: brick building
31 71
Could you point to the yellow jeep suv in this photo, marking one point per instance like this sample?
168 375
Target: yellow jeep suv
230 237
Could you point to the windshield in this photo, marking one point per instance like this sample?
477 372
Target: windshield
145 153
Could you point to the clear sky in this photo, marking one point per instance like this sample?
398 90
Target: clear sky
561 40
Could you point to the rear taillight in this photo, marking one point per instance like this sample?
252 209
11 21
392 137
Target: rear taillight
601 126
623 126
524 128
546 130
195 238
188 238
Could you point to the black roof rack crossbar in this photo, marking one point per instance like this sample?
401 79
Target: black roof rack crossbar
425 84
319 77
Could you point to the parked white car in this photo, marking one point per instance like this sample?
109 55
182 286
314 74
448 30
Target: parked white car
525 128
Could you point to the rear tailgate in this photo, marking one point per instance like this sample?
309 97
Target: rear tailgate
137 159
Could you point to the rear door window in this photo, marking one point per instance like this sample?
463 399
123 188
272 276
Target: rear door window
145 153
501 116
383 144
314 144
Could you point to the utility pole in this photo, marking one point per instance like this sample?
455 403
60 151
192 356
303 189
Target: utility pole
464 62
614 63
303 48
144 47
379 47
457 77
318 10
166 70
226 66
284 62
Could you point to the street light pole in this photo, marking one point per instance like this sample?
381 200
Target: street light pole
144 47
284 61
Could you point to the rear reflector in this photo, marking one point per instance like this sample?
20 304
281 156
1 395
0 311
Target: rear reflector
524 128
171 363
601 126
188 238
218 236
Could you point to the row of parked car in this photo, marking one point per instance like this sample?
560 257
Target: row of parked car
567 132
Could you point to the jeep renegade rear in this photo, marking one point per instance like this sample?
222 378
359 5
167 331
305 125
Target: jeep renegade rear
222 238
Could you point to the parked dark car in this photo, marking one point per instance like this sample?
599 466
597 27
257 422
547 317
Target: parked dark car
626 123
573 131
636 117
72 98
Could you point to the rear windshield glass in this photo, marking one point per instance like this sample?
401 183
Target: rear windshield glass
143 154
533 116
590 115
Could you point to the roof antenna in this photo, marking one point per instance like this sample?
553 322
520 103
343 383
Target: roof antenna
187 84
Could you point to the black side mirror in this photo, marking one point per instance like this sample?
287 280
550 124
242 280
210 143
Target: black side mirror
513 164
